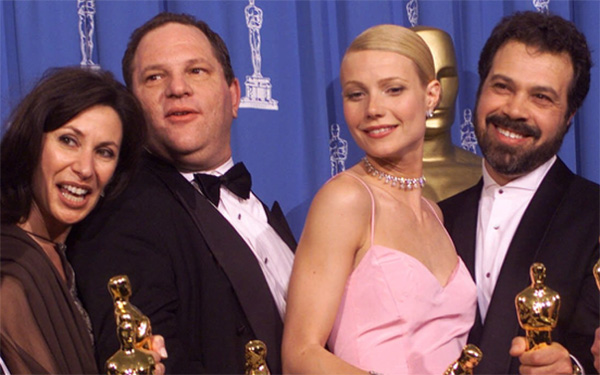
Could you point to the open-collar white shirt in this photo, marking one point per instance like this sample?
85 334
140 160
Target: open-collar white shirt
500 211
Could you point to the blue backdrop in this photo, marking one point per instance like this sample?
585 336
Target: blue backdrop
284 140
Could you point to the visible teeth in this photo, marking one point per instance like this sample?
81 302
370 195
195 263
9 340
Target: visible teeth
75 190
379 131
179 113
509 134
71 197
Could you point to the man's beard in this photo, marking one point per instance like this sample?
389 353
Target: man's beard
514 160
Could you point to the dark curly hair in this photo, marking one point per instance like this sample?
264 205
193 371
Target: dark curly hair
61 95
218 45
547 33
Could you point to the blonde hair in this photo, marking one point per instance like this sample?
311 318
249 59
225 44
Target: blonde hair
400 40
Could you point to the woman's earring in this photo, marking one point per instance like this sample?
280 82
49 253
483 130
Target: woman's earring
429 114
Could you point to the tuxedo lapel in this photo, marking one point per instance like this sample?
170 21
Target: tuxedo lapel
240 265
276 219
501 324
234 256
460 219
463 230
464 226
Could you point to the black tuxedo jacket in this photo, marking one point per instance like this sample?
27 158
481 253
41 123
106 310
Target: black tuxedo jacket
559 228
190 271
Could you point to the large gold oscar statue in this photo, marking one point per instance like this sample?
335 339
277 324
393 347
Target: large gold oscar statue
448 169
537 309
256 358
469 358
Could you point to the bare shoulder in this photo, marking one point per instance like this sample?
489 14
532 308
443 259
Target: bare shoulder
344 193
338 218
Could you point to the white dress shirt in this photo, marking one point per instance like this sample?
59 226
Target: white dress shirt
249 219
500 211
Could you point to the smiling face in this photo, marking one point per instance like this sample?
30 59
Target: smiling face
185 97
521 114
77 161
385 103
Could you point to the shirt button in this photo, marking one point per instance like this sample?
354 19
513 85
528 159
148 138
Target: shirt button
496 227
488 275
500 191
239 216
266 260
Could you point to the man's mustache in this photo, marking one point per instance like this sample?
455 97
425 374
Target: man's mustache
520 127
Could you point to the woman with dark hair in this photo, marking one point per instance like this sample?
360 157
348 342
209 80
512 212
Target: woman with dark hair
72 140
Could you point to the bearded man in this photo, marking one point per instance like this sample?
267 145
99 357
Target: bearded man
529 207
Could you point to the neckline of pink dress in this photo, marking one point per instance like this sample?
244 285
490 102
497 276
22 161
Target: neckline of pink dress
406 255
457 267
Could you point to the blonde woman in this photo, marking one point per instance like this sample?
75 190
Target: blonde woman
377 286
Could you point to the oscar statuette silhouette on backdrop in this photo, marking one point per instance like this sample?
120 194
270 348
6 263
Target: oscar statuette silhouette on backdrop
256 358
537 309
469 358
448 169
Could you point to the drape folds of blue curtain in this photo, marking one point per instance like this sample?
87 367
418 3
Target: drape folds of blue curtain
287 149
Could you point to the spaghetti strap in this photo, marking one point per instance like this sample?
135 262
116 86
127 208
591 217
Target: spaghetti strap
372 202
439 221
432 210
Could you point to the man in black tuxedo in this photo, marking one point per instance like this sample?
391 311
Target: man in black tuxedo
529 207
208 262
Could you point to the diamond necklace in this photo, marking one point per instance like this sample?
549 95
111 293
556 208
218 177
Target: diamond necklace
401 182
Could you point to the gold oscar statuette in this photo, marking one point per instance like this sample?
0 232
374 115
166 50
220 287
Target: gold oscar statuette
129 360
120 289
256 358
133 331
469 359
537 309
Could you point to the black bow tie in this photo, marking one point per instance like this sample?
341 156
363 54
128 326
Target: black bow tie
237 180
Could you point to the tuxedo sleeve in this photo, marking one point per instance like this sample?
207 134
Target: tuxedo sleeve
586 318
129 236
573 239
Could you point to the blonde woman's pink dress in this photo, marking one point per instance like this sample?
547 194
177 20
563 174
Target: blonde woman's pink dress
396 318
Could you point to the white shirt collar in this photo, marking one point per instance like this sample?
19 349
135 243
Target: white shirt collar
530 181
219 171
